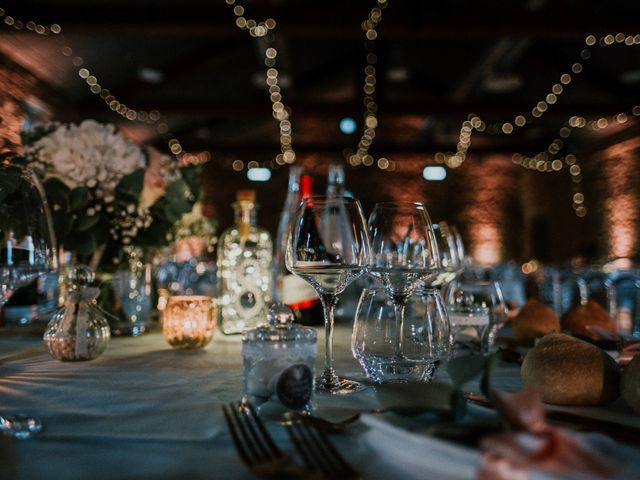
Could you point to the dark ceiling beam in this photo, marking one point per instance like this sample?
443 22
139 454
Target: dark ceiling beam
303 20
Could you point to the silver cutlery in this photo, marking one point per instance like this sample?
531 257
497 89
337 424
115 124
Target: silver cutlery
317 452
255 445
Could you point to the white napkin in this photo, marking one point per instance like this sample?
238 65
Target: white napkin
415 456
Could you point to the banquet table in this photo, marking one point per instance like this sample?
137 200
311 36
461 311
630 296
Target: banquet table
145 410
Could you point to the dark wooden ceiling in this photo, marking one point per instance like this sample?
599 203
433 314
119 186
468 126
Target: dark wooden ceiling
439 61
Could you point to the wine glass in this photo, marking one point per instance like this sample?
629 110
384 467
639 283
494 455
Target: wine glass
451 265
426 334
328 247
28 248
404 254
27 252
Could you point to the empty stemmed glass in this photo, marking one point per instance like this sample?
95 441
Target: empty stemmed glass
404 254
328 247
27 252
451 264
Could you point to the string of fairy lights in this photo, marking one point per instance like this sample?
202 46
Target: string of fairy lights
150 117
280 111
546 161
361 156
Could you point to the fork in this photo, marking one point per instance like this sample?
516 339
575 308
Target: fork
254 444
317 452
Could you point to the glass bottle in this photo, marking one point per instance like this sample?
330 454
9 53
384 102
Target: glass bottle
244 268
291 289
288 210
335 181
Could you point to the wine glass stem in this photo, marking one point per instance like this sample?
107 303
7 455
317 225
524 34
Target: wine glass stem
329 377
398 307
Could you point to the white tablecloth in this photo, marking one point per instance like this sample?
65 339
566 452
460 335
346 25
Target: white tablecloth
144 410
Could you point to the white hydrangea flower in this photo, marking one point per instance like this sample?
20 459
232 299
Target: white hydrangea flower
89 154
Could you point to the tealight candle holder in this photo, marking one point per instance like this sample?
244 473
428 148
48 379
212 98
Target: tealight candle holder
189 321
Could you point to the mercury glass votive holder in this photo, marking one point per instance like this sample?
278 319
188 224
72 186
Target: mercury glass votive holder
189 321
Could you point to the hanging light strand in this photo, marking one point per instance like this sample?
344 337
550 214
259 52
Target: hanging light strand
151 117
280 111
475 123
370 118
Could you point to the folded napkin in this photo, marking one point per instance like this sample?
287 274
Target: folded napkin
414 456
401 453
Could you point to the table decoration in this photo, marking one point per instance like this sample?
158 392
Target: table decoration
112 200
476 311
79 331
279 363
189 322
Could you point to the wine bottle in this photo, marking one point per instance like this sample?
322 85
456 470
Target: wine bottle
291 289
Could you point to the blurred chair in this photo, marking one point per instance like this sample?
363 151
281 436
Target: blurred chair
623 298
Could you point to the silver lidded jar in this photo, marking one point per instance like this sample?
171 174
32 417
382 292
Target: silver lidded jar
79 330
279 363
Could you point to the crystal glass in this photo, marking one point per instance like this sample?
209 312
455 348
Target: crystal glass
28 252
404 254
451 264
28 248
476 312
329 248
426 336
189 321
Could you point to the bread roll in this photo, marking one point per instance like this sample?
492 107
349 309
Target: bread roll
534 320
568 371
579 317
630 384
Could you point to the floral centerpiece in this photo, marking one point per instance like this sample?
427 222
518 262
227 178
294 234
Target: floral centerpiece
113 203
106 192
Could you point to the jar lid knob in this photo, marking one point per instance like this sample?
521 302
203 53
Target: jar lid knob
280 315
79 276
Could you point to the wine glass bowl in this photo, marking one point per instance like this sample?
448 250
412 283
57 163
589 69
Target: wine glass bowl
28 248
426 336
451 263
328 246
403 246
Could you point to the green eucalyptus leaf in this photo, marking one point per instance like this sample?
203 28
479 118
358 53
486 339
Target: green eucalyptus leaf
101 231
414 398
131 185
178 190
79 198
57 192
465 368
86 244
62 224
86 222
191 176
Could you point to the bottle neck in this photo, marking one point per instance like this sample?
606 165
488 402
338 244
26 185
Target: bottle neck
245 213
294 178
305 187
335 180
